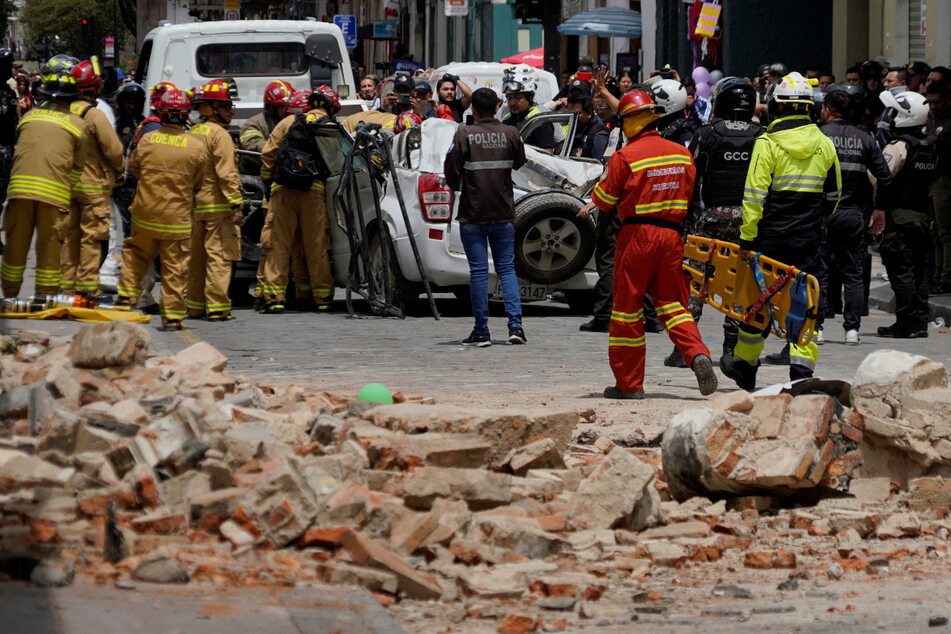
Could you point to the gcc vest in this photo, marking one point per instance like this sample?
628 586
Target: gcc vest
917 174
728 146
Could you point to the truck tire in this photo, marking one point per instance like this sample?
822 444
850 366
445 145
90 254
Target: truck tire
552 244
403 293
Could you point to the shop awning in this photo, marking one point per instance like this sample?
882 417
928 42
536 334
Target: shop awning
604 22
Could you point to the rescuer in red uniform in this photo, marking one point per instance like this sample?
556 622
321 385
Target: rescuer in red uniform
650 181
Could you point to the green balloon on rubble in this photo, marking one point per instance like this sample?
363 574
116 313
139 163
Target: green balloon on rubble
375 393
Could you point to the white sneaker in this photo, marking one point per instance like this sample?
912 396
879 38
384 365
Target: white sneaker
852 338
820 338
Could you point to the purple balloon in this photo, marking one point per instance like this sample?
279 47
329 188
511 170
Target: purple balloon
701 75
704 90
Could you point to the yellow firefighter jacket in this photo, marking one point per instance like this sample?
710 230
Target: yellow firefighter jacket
170 165
104 156
254 134
49 156
221 191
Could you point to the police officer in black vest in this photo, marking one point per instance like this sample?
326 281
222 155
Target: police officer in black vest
721 152
845 238
903 214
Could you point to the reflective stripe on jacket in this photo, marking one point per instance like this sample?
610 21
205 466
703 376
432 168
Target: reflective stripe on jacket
104 157
650 177
50 154
793 183
221 190
170 165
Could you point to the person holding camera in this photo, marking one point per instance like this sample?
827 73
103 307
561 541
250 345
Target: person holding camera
403 99
447 94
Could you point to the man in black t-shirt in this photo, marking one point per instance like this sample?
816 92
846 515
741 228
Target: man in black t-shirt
446 93
403 99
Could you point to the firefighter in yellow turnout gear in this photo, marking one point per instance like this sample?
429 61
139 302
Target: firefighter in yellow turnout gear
216 239
90 213
49 158
294 210
793 184
170 165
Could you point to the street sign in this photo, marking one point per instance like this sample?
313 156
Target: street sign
232 14
110 46
384 30
348 25
457 7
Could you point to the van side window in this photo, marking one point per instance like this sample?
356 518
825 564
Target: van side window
143 68
256 59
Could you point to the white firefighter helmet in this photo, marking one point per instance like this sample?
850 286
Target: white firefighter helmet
670 95
792 88
911 109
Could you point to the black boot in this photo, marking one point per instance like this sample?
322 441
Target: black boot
598 324
730 337
779 358
675 360
706 378
742 372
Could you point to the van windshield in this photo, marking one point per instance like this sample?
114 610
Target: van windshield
248 59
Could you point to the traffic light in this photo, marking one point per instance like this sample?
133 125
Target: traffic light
529 10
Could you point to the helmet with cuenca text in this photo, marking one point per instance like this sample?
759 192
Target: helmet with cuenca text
792 94
174 106
299 102
156 92
911 108
87 77
325 98
406 121
637 110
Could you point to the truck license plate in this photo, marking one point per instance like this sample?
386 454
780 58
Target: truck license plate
527 291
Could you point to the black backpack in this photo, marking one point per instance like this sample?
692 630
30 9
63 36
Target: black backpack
299 162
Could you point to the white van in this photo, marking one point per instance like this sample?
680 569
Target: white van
489 75
305 53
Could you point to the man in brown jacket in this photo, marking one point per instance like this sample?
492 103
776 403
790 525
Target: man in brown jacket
49 158
87 238
216 239
170 166
480 163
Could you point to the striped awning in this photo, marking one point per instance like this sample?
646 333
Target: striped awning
604 22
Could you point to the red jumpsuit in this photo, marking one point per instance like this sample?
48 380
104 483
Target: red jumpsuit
650 181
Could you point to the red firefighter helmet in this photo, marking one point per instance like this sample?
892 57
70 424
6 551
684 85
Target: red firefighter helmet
215 90
636 101
156 92
406 121
174 102
278 92
326 98
298 102
87 79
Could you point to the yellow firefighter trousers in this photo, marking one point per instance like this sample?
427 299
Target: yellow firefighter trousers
301 276
138 251
19 220
216 242
89 218
306 212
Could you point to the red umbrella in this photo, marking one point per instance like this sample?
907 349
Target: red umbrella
534 57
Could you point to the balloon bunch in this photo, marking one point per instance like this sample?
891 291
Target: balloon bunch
705 80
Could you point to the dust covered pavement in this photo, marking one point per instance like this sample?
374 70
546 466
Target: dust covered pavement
126 469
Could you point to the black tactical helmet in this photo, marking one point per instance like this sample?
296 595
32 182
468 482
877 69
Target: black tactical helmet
131 92
59 84
846 99
871 69
734 98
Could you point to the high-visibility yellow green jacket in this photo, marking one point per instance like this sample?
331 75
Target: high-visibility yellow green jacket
793 183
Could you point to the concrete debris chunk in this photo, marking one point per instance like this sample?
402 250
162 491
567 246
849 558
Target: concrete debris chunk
782 445
116 343
478 488
611 495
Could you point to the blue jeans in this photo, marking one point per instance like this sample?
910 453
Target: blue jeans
476 240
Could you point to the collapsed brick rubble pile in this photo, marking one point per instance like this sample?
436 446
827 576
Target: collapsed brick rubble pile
128 469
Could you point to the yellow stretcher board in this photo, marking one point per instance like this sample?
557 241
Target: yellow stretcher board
83 314
727 283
